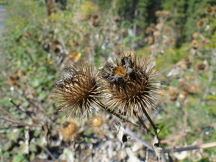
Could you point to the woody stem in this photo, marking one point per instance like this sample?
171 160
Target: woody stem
150 120
115 114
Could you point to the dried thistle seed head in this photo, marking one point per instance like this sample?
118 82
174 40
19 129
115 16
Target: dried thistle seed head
97 121
78 93
202 66
173 93
69 130
129 85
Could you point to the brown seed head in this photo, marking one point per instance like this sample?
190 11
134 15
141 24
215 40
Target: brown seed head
188 61
200 23
208 10
195 44
189 87
201 66
69 129
196 35
117 19
173 93
150 29
214 10
97 121
129 85
79 91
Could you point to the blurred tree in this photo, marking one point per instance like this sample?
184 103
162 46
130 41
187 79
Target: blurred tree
50 6
184 16
183 19
62 4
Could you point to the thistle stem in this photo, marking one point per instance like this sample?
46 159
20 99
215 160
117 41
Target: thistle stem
150 120
143 124
115 114
156 142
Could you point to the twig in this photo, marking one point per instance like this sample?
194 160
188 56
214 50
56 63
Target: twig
189 148
117 115
156 141
48 152
143 124
135 137
7 112
172 150
17 106
175 138
150 120
18 122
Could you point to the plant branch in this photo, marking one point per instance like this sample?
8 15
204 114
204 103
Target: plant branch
115 114
18 122
150 120
189 148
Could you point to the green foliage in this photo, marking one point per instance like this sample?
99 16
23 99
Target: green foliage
19 158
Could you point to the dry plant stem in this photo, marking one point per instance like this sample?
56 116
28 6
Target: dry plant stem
174 138
134 136
11 119
117 115
151 122
17 122
18 107
189 148
39 108
156 142
48 152
180 149
143 124
7 112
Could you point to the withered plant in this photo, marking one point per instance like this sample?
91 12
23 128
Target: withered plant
126 88
78 92
130 87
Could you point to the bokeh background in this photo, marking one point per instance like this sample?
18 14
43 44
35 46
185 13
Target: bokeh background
40 37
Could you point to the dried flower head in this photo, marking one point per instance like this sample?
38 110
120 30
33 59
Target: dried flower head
208 10
189 87
150 29
173 93
117 19
214 10
69 129
97 121
196 35
149 40
188 61
200 23
129 85
79 91
202 66
195 44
